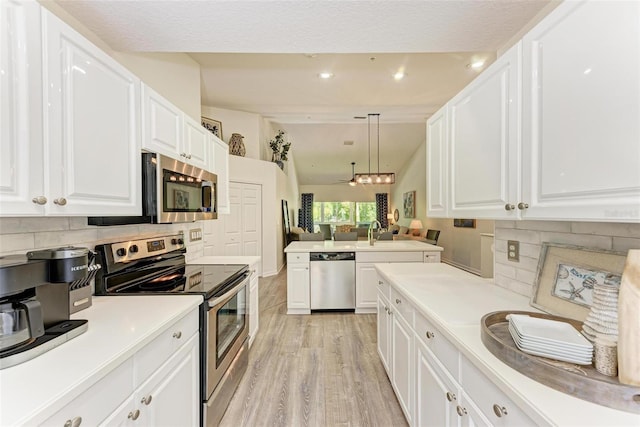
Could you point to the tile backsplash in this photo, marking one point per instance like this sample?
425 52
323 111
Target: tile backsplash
520 276
19 235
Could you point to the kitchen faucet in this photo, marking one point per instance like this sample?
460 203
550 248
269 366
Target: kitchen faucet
370 231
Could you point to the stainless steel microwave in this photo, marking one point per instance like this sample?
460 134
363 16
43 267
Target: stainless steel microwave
172 191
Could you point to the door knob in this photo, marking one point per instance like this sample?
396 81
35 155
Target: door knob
509 207
523 205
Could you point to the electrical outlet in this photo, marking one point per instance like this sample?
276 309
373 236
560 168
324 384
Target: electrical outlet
195 234
513 250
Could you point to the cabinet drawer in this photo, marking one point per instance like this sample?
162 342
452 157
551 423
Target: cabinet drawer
444 350
403 306
298 257
154 354
384 288
432 257
99 401
491 401
388 256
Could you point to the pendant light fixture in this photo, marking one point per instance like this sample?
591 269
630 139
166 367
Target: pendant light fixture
374 178
353 174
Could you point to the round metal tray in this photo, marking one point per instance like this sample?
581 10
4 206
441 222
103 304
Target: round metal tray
581 381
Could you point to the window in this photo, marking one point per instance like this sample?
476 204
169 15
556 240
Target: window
343 212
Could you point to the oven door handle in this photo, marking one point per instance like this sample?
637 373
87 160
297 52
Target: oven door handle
213 302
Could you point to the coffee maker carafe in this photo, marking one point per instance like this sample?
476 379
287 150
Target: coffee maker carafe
34 302
20 312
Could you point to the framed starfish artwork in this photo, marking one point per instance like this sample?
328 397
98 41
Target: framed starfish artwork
566 277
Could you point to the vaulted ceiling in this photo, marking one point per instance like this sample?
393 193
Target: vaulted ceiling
265 57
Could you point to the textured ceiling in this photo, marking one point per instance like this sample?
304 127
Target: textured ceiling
264 57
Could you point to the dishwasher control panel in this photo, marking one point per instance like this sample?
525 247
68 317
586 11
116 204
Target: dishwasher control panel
332 256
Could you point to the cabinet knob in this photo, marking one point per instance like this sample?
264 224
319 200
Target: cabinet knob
146 400
40 200
177 335
188 156
133 415
461 411
379 282
509 207
450 396
183 155
523 206
500 411
74 422
61 201
430 334
398 301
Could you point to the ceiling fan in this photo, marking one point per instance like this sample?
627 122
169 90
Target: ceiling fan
352 182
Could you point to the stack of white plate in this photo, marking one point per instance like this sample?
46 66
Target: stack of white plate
550 338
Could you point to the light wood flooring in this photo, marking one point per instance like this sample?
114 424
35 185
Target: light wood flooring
317 370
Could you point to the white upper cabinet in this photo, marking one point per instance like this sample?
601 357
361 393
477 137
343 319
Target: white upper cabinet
162 124
170 132
437 164
197 144
483 142
91 127
220 167
21 185
581 113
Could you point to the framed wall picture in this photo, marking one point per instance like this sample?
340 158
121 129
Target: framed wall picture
409 204
213 126
466 223
566 276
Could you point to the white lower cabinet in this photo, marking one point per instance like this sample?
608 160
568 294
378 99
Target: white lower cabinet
367 276
254 302
435 384
167 394
298 282
402 363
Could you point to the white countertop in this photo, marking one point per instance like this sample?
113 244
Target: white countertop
118 327
212 259
456 301
362 246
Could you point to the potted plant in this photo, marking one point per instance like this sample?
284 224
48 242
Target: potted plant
280 149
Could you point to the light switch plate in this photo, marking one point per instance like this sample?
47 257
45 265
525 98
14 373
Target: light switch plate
195 234
513 250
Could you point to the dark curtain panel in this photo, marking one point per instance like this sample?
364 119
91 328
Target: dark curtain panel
307 212
382 209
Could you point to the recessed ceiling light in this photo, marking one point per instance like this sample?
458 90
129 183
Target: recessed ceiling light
477 64
399 75
325 75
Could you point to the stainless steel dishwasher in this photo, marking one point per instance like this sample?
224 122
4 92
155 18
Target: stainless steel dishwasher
333 280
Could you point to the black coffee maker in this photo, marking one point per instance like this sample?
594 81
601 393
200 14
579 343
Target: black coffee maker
34 302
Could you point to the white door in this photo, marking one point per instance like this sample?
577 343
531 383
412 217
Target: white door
92 132
384 329
233 221
21 145
484 141
581 110
243 226
366 287
437 143
402 363
251 219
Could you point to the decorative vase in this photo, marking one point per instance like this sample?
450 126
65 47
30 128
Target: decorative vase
236 146
275 158
629 321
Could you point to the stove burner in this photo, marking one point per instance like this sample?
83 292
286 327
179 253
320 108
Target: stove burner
169 283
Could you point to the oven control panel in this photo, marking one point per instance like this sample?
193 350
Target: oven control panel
145 248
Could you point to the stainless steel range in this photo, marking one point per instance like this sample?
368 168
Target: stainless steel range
157 265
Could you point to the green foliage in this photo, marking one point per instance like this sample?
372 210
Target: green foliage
344 212
279 146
